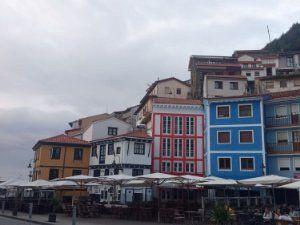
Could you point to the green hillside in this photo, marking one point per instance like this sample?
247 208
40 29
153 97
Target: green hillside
289 41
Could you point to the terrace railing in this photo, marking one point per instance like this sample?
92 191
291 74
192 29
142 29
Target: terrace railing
285 120
283 148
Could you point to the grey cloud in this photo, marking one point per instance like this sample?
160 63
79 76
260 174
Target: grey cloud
66 59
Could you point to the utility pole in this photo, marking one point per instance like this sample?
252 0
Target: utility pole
269 33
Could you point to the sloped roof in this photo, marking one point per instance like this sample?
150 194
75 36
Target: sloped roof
132 134
63 140
177 101
284 94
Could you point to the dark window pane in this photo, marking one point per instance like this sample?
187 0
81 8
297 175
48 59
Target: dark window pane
246 137
223 137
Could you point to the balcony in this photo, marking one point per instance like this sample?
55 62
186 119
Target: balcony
283 148
286 120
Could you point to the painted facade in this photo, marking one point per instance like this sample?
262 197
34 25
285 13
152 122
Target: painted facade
234 137
224 85
60 156
128 153
178 141
282 121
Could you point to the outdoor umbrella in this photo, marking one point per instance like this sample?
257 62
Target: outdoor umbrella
294 185
156 179
272 180
36 184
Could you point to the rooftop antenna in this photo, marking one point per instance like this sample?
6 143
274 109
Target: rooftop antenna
269 33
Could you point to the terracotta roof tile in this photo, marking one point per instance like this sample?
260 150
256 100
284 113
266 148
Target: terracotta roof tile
177 101
284 94
62 139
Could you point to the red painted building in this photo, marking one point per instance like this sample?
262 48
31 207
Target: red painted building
178 136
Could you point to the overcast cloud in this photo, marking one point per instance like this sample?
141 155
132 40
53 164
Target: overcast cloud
60 60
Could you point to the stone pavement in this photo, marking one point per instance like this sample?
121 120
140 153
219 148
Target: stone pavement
64 220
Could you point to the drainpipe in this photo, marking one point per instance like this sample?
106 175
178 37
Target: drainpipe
64 162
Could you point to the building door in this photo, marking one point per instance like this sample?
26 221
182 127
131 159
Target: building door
269 71
295 113
296 140
102 154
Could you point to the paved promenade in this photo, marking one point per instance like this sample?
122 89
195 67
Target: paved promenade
7 218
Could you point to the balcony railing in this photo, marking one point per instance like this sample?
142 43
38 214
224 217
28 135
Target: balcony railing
283 148
286 120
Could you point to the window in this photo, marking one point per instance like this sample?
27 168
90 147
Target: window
112 131
110 150
223 111
280 111
168 91
218 84
166 167
55 153
234 85
166 124
166 148
177 167
78 153
297 82
284 164
256 73
76 172
245 110
53 174
224 163
297 164
102 154
118 150
246 136
223 137
290 61
178 125
94 151
178 91
282 137
269 84
190 125
189 167
178 147
137 172
248 74
247 163
96 173
283 83
139 148
190 148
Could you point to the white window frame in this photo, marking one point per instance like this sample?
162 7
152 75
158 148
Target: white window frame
220 131
225 157
282 131
177 170
244 105
168 128
176 150
247 157
177 126
168 140
231 82
166 166
190 140
215 85
242 143
278 160
190 163
294 164
219 106
275 112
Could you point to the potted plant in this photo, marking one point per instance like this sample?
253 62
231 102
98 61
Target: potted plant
54 206
221 215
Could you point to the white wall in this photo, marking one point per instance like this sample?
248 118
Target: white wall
98 129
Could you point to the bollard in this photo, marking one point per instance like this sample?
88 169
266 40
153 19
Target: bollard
30 211
3 206
74 215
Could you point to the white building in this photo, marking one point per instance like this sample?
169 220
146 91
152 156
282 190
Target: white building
128 153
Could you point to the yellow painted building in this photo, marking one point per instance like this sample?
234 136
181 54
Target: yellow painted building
60 156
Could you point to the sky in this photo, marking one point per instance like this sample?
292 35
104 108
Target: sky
65 59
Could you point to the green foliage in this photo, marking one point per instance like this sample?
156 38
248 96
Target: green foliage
220 215
55 203
289 41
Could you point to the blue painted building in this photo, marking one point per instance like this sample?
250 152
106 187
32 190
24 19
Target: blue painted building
282 132
234 134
